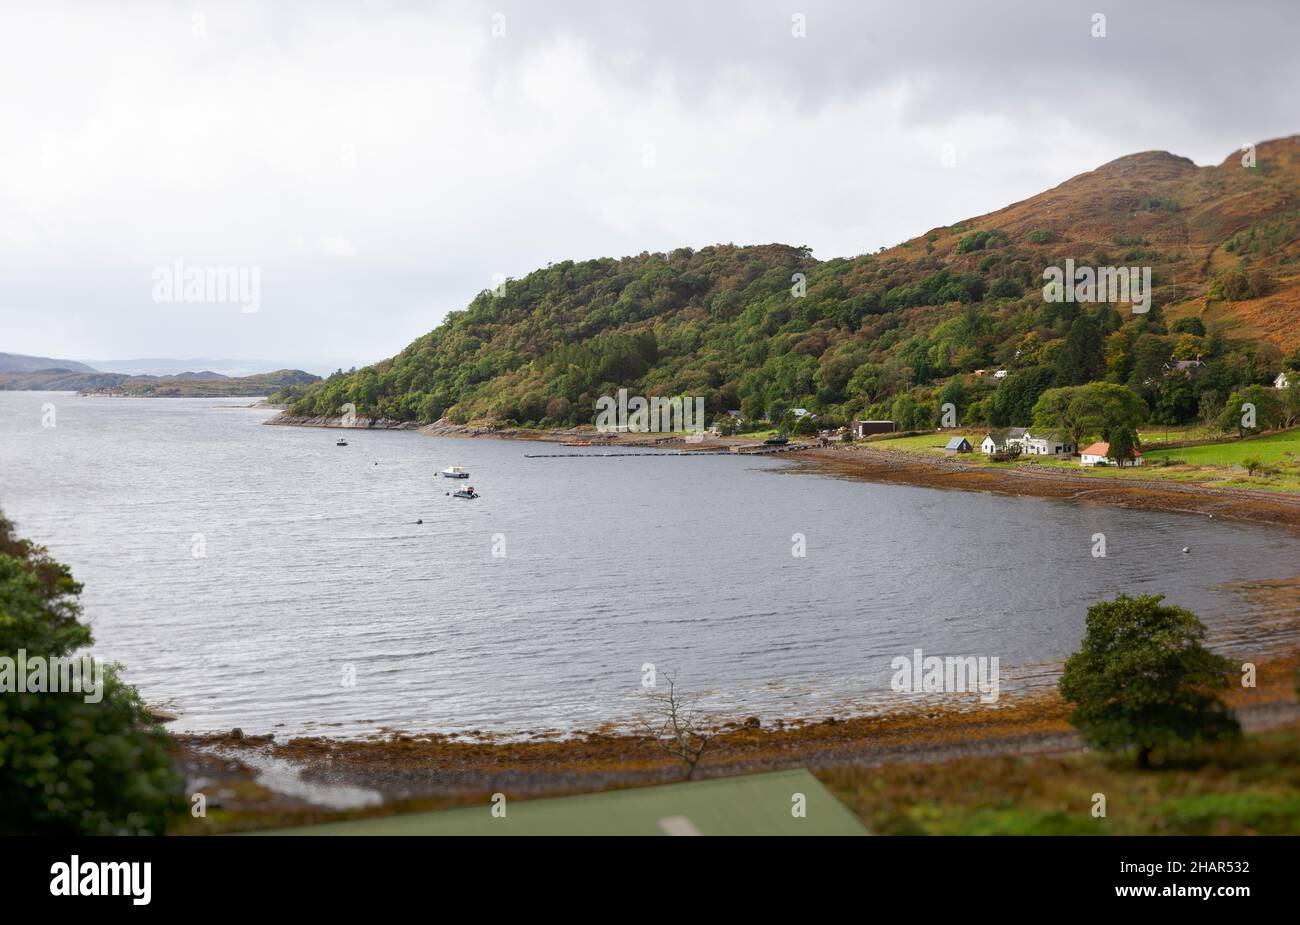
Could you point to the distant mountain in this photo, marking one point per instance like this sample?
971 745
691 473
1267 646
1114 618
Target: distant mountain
206 374
203 385
58 380
898 333
234 368
21 363
186 385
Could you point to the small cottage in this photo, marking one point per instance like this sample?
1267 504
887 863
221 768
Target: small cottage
1098 454
1047 443
958 445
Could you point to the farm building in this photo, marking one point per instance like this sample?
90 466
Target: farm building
868 428
958 445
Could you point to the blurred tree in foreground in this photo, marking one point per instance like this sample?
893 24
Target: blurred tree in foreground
69 767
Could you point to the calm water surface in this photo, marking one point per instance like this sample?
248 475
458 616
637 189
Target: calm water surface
315 568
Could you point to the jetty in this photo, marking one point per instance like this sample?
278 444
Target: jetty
728 451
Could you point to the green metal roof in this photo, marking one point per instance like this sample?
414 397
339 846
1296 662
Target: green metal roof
754 804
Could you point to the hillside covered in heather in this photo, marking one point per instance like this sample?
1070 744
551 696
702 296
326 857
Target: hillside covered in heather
890 334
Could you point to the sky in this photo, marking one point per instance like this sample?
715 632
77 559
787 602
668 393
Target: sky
366 167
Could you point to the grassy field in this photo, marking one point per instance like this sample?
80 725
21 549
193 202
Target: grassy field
1213 463
1278 448
1250 787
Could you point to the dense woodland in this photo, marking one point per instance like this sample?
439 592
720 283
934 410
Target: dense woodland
896 334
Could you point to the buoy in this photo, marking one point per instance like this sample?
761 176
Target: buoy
419 521
1187 549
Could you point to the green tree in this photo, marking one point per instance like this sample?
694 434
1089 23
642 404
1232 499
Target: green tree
1014 400
1188 325
69 767
1289 403
1251 410
1096 408
1123 443
1082 358
1177 401
1144 678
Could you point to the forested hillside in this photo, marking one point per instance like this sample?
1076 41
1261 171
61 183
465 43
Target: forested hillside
891 334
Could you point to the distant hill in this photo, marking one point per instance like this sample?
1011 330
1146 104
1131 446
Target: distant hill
206 374
186 385
20 363
768 328
234 367
203 385
57 380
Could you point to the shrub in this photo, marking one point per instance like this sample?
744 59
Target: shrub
68 767
1005 288
981 240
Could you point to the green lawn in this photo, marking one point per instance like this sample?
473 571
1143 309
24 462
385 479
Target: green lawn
1156 433
1269 450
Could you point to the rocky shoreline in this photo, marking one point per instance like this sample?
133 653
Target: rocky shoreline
872 464
423 771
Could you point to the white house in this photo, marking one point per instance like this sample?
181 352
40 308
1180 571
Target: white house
1047 443
1015 436
1099 455
998 441
1281 382
1000 374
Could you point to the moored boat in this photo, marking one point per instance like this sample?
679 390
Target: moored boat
455 472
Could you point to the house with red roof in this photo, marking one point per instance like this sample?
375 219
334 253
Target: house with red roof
1099 455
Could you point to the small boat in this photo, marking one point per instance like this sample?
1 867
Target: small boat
455 472
779 440
467 492
340 443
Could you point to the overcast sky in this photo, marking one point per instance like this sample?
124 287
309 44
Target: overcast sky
379 162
